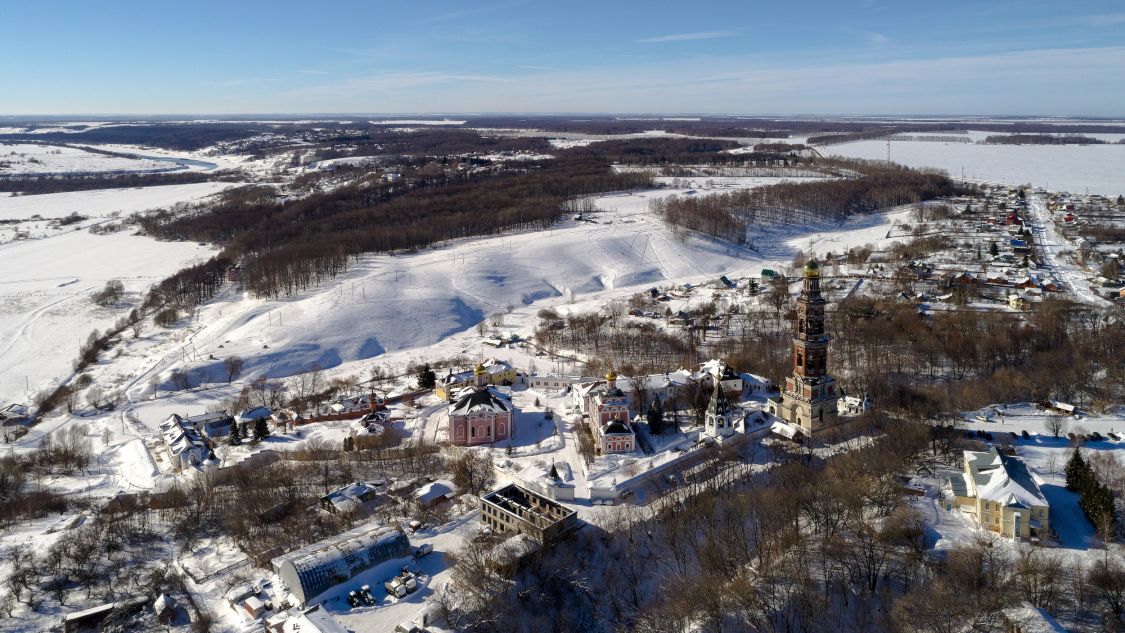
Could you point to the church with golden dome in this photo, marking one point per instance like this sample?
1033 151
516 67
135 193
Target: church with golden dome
480 415
609 419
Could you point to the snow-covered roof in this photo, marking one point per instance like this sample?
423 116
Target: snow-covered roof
491 367
207 418
315 620
321 565
255 413
350 497
785 429
1003 479
434 490
479 400
163 602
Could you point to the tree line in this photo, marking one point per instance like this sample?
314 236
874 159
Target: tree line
868 188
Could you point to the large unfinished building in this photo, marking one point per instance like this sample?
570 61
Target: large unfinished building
516 510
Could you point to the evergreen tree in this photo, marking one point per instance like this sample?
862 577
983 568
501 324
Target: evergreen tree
655 417
426 377
235 437
261 429
1097 502
993 249
1077 471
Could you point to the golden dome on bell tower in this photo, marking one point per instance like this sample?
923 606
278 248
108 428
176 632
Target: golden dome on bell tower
812 269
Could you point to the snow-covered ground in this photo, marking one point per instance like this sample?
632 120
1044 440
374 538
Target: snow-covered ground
104 202
1075 168
31 159
425 305
45 284
45 306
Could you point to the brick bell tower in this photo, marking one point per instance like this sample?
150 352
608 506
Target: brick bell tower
809 399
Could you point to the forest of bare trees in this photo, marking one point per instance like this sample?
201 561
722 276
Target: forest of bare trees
286 246
868 188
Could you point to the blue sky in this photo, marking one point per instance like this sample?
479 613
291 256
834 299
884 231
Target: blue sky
747 57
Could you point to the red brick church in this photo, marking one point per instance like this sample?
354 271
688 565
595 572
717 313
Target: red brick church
480 415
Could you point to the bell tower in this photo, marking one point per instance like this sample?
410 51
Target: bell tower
809 399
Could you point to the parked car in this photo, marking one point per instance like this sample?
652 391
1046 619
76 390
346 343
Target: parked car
1026 435
422 550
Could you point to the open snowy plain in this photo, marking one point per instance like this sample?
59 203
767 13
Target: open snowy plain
1074 168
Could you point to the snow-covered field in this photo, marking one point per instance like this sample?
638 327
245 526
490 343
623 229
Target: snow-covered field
1075 168
45 307
104 202
46 283
29 159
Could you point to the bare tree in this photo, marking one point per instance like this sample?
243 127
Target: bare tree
1055 424
233 365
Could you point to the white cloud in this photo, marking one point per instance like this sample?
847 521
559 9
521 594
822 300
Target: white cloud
686 37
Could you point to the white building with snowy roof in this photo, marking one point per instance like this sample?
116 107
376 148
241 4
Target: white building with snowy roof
316 568
1001 494
183 443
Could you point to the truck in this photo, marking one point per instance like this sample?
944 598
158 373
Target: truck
408 581
395 588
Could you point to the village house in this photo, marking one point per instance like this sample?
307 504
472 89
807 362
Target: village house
211 425
1000 494
480 415
14 414
729 379
353 499
184 446
252 415
434 493
497 373
353 403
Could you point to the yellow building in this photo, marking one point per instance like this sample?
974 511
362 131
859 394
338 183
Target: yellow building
1000 494
497 373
